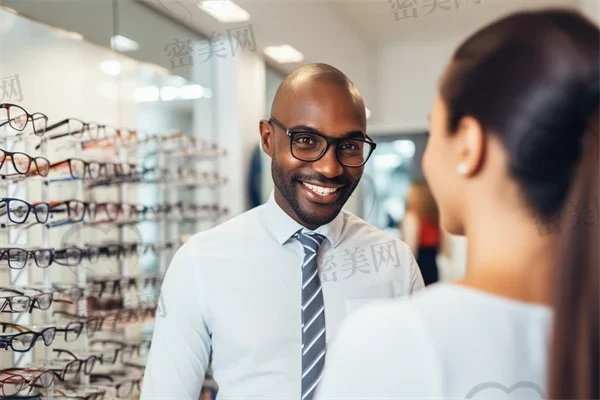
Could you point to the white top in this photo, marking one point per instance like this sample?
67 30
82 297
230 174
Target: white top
237 288
446 342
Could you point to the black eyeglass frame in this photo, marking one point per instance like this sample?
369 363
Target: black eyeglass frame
36 161
291 134
28 116
30 207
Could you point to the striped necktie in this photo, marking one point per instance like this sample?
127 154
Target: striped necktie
313 315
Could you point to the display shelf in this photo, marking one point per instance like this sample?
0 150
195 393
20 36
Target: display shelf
96 286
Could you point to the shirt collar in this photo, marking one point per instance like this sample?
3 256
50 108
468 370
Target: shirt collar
283 227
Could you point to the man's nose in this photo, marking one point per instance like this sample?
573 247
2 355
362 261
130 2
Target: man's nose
328 165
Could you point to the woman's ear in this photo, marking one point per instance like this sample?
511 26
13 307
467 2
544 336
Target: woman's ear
472 142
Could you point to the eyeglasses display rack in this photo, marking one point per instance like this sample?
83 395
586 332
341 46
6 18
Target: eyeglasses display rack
90 216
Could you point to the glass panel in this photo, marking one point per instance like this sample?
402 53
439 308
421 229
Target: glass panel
385 183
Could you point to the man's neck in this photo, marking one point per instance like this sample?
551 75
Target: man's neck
283 204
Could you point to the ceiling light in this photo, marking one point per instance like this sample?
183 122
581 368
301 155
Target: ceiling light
191 92
8 9
146 94
124 44
111 67
284 54
69 34
176 80
368 112
224 10
169 93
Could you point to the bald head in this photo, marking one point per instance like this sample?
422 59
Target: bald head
308 76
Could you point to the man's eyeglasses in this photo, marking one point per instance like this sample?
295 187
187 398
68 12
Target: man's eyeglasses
311 146
16 117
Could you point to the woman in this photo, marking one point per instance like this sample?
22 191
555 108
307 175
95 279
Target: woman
514 138
421 231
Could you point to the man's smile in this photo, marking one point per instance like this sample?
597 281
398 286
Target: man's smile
321 193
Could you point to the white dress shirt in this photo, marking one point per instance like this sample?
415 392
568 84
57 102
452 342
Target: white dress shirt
236 289
446 342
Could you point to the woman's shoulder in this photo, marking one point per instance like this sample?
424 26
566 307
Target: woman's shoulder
386 341
424 332
434 319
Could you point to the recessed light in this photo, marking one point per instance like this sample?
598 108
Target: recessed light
111 67
191 92
284 54
176 80
124 44
69 34
225 11
8 9
168 93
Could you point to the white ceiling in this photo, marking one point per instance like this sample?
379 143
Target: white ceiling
375 22
334 29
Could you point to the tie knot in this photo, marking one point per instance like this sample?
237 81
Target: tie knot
310 240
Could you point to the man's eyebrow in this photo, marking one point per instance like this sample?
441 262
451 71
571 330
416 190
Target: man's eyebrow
309 129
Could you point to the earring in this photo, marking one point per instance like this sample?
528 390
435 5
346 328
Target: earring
462 168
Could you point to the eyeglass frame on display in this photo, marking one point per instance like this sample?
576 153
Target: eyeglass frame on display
31 160
7 200
26 379
53 258
6 341
7 106
33 300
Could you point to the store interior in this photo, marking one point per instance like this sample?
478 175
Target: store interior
135 125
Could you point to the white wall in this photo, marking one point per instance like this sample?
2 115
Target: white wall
239 100
407 71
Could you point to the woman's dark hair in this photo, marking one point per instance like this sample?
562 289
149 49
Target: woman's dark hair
532 79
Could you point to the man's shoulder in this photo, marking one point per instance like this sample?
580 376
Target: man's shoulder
357 229
237 227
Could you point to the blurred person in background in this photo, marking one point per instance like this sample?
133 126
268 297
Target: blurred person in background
421 230
514 141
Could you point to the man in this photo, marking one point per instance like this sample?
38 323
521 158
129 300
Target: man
248 292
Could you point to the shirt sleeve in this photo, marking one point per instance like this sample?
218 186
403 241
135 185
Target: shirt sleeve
407 278
180 349
381 352
416 280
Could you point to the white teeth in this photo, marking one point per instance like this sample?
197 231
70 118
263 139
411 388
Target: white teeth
323 191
